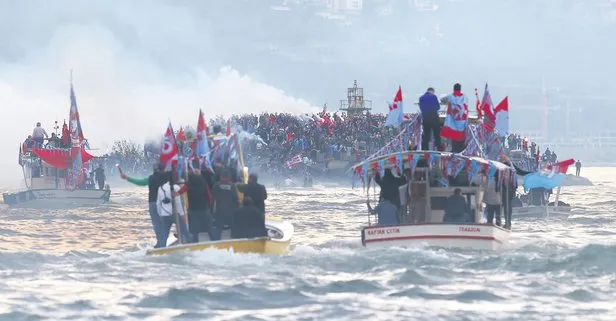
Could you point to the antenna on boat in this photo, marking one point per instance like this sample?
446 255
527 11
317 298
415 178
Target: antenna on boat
71 77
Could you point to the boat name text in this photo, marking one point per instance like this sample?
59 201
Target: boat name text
384 231
468 229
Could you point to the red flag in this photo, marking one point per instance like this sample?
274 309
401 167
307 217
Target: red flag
562 167
478 105
502 117
489 120
169 148
181 135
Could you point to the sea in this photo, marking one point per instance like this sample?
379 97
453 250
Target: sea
90 264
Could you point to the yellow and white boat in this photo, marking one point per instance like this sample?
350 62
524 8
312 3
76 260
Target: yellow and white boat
278 240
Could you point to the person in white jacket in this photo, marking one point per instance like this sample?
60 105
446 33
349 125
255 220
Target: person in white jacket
167 215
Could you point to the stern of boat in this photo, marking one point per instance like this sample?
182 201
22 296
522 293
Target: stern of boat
469 236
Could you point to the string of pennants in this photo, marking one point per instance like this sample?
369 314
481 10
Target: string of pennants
450 164
479 141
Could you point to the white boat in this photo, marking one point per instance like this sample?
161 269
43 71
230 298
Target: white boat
556 209
55 177
422 216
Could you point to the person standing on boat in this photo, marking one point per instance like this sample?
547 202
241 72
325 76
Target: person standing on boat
226 201
199 207
99 176
429 106
492 199
578 166
456 209
390 187
153 182
255 191
39 134
456 120
248 221
171 211
508 194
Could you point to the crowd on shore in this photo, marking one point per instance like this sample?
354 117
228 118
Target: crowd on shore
319 138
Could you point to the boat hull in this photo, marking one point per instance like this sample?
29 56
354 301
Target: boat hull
263 245
541 212
278 242
57 197
468 236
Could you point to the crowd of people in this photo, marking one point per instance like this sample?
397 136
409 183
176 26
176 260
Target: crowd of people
213 204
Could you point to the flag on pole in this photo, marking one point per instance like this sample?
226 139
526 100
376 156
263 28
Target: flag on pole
502 117
487 107
169 148
395 117
203 147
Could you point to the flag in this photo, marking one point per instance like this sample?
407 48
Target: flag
396 111
295 160
181 137
478 105
543 180
502 117
169 148
561 167
75 176
74 123
203 147
487 107
456 120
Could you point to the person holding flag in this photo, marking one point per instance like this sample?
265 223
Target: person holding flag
456 120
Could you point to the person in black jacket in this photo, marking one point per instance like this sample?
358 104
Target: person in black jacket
199 213
389 187
255 191
226 202
248 221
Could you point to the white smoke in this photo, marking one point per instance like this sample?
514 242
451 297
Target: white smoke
124 89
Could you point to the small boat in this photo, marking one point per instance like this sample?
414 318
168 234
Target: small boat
279 232
536 203
529 209
54 175
277 242
432 177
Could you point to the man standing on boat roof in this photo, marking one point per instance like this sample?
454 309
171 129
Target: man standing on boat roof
429 106
39 134
456 120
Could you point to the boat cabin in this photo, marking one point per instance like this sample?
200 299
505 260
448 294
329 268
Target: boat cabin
431 178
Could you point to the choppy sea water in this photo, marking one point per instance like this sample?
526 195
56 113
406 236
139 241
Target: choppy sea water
90 264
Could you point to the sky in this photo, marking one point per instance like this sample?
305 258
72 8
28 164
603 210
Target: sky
138 64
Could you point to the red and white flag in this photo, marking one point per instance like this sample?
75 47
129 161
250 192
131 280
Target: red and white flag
169 148
502 117
396 111
487 107
295 160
